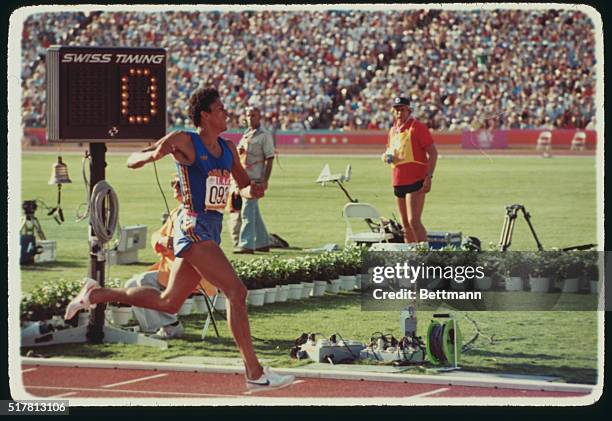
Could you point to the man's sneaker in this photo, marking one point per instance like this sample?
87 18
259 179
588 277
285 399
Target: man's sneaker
170 331
81 301
269 380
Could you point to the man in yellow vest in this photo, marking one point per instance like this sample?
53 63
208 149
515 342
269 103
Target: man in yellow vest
412 156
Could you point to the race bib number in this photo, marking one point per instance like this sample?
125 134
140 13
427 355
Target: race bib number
217 190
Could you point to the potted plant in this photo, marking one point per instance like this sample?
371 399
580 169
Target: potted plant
293 280
370 260
253 276
319 286
270 273
434 262
460 262
346 271
300 272
326 266
514 265
490 263
542 269
281 278
120 313
591 270
356 260
570 269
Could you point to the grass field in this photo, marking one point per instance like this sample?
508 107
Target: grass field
468 195
544 343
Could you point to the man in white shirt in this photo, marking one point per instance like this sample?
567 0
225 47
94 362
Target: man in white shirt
256 151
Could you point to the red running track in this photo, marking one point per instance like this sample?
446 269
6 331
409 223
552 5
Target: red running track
72 382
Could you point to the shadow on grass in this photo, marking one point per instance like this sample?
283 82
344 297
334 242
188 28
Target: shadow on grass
58 264
482 353
69 351
335 301
565 373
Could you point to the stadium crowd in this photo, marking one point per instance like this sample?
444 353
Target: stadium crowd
497 69
339 69
39 33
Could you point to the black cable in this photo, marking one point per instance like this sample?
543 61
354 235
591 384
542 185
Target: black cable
346 346
160 188
467 346
435 341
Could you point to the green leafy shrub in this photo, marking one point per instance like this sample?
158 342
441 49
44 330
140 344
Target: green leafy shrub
49 299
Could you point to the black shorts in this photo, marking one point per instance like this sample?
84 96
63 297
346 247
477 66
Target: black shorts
402 191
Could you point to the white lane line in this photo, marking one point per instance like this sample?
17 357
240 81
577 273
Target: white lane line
432 392
29 369
140 379
64 395
142 392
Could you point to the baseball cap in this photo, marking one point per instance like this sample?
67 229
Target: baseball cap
400 101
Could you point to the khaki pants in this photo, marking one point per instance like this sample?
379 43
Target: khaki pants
235 222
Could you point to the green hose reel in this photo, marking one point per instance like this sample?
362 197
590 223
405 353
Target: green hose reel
444 341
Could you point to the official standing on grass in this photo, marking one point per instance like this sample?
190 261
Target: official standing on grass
205 162
412 156
256 150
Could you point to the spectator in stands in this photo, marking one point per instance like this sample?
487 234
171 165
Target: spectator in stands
306 65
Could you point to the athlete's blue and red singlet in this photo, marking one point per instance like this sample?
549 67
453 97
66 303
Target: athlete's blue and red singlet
205 187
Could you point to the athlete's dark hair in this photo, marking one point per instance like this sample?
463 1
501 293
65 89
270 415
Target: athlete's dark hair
199 101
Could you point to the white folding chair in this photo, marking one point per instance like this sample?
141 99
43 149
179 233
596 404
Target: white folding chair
364 211
544 141
578 142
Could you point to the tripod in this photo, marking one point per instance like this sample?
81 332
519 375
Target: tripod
508 228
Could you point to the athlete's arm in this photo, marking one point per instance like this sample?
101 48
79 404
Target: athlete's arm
240 175
238 172
176 143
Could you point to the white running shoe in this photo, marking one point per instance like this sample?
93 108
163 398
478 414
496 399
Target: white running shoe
170 332
269 380
81 301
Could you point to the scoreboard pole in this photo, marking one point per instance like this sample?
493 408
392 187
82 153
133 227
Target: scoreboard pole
98 95
95 327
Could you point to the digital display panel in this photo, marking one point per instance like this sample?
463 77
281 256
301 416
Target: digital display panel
106 94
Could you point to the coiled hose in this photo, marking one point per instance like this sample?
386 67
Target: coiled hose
104 211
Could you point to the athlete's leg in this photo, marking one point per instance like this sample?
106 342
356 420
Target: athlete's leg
415 202
183 280
208 259
409 235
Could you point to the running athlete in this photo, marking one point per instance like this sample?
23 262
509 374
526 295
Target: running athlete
204 164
